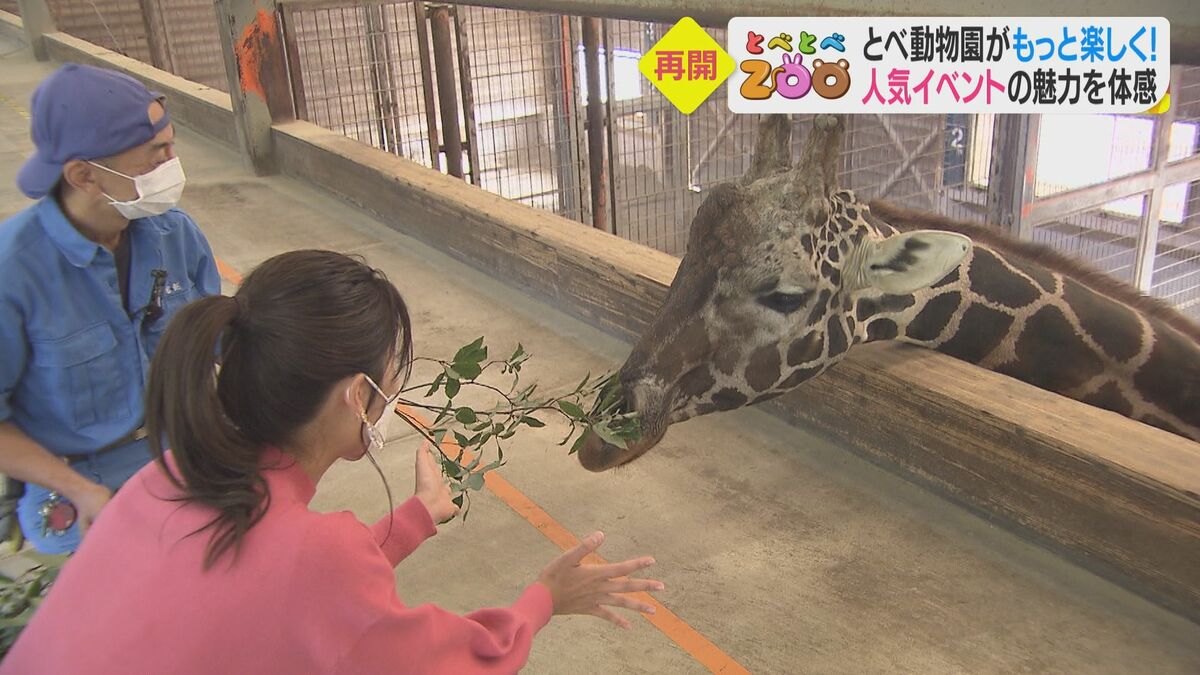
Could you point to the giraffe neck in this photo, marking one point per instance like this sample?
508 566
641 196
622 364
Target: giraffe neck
1055 332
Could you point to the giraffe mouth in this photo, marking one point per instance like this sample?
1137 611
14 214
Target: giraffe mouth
598 455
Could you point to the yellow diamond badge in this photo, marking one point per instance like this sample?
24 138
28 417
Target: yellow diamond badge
686 65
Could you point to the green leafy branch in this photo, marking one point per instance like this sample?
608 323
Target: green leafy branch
483 432
20 596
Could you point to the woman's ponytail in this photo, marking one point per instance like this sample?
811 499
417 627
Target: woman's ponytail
218 464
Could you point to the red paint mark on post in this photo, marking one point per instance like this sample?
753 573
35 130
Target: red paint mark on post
258 41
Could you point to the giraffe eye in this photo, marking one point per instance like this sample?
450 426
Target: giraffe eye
785 303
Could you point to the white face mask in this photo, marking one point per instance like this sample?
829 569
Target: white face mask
372 433
158 190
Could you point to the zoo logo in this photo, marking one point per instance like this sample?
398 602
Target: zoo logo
792 80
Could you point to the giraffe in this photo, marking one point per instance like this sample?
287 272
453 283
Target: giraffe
784 273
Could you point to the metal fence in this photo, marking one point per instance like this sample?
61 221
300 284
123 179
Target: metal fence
179 36
503 93
524 103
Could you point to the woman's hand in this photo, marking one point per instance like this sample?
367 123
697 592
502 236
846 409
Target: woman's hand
592 589
432 489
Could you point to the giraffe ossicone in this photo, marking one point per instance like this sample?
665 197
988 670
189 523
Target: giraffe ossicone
784 272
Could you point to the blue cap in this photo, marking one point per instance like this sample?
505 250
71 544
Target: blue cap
83 112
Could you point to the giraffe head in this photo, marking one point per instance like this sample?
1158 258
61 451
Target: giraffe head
768 291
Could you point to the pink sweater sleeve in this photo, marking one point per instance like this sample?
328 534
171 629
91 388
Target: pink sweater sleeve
428 639
368 629
409 525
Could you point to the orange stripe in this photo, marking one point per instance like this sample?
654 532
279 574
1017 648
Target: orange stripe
228 273
689 639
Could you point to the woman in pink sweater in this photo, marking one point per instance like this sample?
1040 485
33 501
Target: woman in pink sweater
209 560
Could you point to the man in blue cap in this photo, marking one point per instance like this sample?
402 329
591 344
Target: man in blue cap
90 275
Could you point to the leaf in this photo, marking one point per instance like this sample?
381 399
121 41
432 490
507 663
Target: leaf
467 350
19 620
573 411
533 422
608 436
451 468
578 444
461 440
475 481
436 384
452 387
468 371
465 416
583 383
458 500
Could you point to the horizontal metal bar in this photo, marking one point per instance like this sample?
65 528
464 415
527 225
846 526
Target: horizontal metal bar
1185 21
1048 209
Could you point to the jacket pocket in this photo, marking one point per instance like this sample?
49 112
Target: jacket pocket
83 373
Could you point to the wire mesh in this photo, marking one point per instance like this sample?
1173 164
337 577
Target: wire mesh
191 45
179 36
530 145
359 74
1177 259
119 25
1101 236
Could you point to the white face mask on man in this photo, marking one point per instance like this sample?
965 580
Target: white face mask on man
158 190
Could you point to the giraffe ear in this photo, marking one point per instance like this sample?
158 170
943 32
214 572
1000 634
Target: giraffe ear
909 261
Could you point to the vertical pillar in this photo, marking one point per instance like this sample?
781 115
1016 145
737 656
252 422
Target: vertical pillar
447 94
560 82
468 96
253 46
1012 173
421 19
1147 244
38 20
597 155
156 35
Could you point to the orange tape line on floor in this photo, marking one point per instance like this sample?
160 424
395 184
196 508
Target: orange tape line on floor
689 639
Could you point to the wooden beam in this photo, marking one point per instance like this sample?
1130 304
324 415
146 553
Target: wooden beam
1063 204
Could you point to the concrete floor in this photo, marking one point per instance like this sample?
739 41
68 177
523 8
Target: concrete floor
790 554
